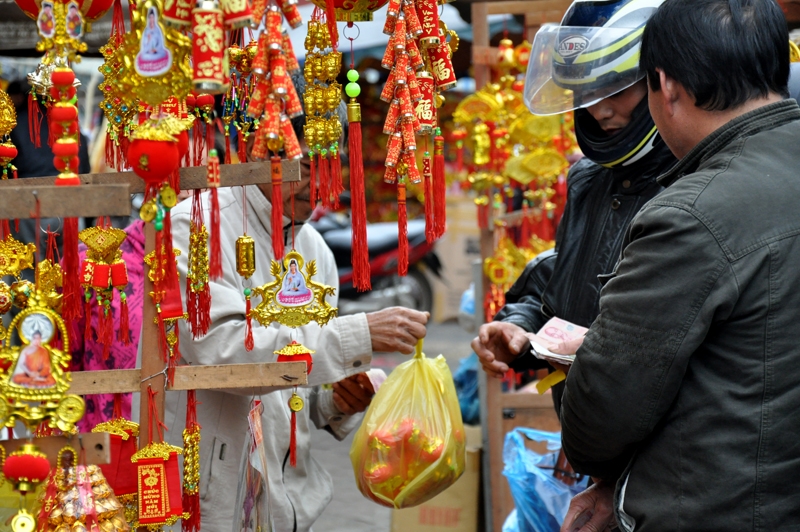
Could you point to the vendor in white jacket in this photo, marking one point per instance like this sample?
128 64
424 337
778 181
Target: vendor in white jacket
343 352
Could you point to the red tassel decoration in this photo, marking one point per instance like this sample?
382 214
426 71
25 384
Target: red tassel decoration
34 120
427 175
124 326
241 148
71 307
215 252
324 179
87 317
293 440
277 207
191 466
402 230
330 19
198 292
358 202
336 179
313 184
483 212
439 186
248 331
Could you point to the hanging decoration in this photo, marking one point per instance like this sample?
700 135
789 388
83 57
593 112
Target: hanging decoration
513 152
120 472
167 298
102 271
34 380
293 299
191 466
8 121
119 107
419 58
14 258
323 127
159 479
81 498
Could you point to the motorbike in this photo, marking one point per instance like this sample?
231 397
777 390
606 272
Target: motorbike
388 289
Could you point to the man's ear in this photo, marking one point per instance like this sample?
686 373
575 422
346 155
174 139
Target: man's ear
669 87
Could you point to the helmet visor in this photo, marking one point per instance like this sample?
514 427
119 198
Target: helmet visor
572 67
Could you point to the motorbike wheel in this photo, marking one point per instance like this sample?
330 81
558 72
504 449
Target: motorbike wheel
415 291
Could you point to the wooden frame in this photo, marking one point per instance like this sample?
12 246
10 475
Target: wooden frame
109 194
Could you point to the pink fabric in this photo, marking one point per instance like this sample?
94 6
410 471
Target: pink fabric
87 353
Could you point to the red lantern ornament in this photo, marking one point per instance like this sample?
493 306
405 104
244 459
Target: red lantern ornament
153 154
26 468
295 352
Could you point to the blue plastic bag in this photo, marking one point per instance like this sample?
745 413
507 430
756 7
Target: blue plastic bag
466 380
541 500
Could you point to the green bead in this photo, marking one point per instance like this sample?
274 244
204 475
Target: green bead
352 75
122 296
159 225
352 89
247 292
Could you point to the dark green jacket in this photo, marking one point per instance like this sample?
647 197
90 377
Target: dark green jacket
687 387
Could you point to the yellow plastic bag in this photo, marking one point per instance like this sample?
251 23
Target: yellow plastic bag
410 446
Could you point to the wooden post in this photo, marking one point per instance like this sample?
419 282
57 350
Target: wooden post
153 375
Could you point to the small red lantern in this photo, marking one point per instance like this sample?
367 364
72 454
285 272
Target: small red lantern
296 352
26 467
153 154
8 152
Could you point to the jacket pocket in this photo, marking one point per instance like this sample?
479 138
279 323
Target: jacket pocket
604 278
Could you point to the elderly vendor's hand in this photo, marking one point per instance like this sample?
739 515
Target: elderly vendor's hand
396 329
353 394
497 345
591 510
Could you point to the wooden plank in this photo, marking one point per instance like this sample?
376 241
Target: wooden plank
151 359
96 446
527 400
485 55
494 419
480 39
227 376
105 381
20 201
193 177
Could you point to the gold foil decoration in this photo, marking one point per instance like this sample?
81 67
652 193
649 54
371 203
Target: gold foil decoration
245 256
155 58
293 298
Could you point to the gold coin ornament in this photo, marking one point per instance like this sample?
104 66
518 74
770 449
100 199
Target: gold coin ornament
296 403
34 386
23 522
293 298
155 58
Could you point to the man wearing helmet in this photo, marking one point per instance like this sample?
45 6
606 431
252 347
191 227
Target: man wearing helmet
590 64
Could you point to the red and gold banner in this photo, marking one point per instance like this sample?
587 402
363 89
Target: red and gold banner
424 108
153 491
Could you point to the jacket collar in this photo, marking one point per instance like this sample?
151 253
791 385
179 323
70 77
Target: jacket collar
761 119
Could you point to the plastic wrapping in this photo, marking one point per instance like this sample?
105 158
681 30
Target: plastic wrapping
251 513
411 445
541 500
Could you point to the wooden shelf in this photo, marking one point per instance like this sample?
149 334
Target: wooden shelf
261 375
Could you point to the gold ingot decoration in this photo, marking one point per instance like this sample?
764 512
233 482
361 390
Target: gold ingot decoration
155 58
293 299
15 256
119 427
245 256
8 115
33 388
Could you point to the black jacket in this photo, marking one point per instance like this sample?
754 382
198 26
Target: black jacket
688 383
601 202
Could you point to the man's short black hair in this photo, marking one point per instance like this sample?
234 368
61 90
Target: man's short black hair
723 52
